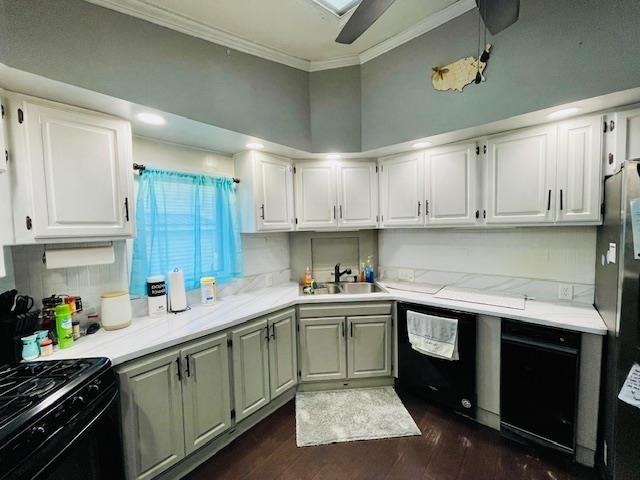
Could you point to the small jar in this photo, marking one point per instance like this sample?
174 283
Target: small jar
208 290
46 347
75 326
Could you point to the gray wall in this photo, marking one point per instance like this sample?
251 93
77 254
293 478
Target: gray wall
559 51
335 110
108 52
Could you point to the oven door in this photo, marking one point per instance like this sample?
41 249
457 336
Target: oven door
87 448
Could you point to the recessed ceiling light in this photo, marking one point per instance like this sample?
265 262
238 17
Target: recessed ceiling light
421 144
333 156
151 118
565 112
255 146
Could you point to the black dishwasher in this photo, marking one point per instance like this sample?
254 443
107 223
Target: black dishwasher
451 384
539 384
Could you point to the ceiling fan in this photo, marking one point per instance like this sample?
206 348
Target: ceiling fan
497 15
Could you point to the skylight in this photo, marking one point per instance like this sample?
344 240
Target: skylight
339 7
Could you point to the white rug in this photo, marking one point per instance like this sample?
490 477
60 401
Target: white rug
347 415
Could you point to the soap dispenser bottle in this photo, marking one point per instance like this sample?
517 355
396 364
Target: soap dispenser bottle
307 279
368 271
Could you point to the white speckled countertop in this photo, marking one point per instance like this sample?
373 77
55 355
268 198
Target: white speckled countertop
146 335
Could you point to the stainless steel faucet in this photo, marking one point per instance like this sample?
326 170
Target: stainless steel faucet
337 273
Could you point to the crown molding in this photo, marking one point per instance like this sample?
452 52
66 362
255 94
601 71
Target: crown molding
180 23
429 23
174 21
318 65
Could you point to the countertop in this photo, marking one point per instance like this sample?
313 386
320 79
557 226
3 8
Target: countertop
146 335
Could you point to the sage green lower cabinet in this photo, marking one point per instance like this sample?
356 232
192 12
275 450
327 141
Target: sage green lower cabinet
369 346
323 349
152 417
283 356
251 367
206 400
172 403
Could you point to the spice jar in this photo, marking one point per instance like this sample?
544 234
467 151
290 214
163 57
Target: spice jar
46 347
75 326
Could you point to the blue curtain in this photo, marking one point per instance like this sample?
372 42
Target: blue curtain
185 221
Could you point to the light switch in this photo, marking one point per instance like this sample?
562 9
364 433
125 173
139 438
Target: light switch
611 253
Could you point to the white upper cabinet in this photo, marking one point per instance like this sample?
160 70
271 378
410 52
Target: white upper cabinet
579 184
452 188
3 138
316 199
265 192
357 194
521 174
402 190
73 176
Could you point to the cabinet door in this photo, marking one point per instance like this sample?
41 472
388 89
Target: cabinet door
274 193
81 172
369 346
283 358
357 194
152 422
579 188
3 139
323 349
521 171
316 195
250 368
206 399
402 190
452 185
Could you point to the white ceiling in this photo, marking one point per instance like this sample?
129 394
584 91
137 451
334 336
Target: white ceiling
300 33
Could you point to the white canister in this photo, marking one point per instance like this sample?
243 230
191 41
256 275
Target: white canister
116 310
208 290
156 295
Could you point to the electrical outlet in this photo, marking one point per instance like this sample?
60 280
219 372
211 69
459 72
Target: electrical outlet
405 275
565 291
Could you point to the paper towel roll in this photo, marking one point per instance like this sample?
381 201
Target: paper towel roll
177 292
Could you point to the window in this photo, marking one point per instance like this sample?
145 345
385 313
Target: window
339 7
185 221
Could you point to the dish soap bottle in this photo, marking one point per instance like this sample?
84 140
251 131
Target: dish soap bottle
368 271
64 326
307 279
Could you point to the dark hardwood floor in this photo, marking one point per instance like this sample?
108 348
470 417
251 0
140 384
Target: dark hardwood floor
450 448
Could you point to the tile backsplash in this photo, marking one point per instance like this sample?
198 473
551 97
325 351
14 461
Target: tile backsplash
266 263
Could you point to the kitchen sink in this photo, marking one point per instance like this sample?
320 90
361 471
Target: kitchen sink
359 287
347 287
328 289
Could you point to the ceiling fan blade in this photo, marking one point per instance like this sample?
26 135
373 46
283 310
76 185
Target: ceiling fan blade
498 14
367 12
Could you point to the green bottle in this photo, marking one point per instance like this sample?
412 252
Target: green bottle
64 327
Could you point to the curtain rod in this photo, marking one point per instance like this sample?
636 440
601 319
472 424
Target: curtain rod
141 168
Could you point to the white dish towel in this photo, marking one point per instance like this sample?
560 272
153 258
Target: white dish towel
432 335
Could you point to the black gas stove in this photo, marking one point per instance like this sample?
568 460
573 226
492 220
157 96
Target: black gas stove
48 407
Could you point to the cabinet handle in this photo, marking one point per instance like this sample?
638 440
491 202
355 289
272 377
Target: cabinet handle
426 207
351 329
342 325
273 331
262 211
419 204
334 212
188 361
179 369
560 199
549 201
267 330
340 211
126 208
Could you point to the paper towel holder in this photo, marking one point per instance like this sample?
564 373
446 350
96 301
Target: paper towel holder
89 247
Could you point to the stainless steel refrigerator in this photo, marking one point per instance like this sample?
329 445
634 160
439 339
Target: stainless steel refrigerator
617 299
